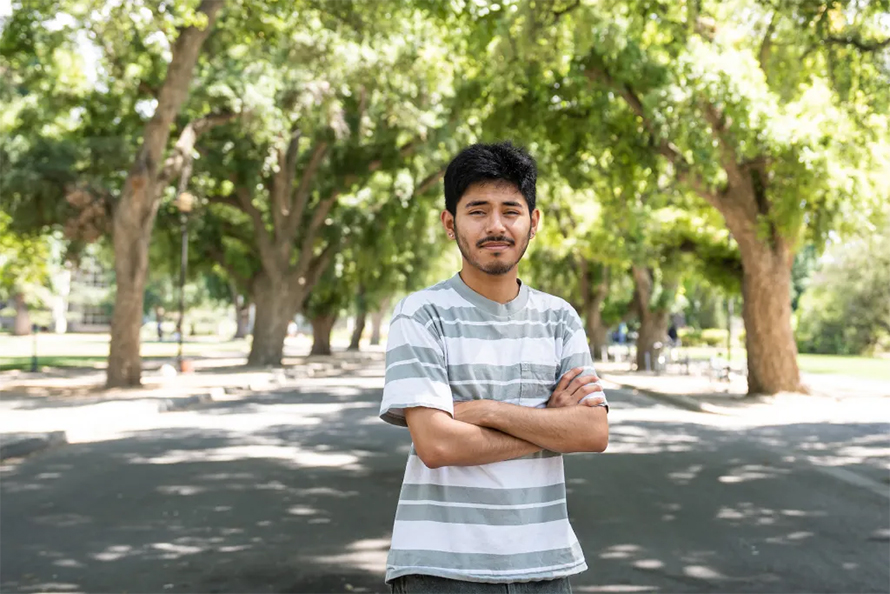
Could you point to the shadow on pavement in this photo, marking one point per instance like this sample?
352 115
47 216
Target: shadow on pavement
295 491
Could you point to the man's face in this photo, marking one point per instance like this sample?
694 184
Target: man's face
492 226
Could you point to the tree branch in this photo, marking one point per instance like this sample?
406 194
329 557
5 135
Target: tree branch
859 43
316 269
663 147
282 182
301 194
766 45
182 151
558 13
318 217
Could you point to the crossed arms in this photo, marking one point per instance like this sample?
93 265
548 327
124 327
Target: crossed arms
486 431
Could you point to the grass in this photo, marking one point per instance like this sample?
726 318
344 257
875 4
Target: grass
91 350
871 368
875 368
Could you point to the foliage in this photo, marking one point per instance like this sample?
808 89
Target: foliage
27 264
846 310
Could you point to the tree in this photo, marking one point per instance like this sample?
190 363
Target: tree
846 309
25 273
766 129
322 128
136 76
135 209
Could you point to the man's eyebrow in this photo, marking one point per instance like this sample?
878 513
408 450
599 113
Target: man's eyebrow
510 203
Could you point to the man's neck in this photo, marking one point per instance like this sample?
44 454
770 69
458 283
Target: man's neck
501 288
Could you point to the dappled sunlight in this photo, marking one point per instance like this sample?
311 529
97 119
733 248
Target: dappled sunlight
622 551
683 477
703 572
749 513
615 588
366 554
750 472
634 439
791 538
291 454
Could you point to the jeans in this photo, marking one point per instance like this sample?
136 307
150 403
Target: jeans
428 584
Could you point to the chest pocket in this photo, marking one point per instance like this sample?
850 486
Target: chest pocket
538 382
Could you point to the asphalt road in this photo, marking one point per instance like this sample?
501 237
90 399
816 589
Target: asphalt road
295 491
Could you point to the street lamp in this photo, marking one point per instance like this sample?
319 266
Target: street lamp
184 202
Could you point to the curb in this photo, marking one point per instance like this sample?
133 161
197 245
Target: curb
678 400
176 404
31 443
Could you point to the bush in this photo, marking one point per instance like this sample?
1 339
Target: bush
713 337
846 309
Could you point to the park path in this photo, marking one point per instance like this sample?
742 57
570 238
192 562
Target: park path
293 489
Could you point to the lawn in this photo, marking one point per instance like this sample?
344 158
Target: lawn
91 350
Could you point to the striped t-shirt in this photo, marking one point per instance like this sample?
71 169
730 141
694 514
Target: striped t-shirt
500 522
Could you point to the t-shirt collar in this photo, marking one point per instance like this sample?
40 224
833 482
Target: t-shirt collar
485 304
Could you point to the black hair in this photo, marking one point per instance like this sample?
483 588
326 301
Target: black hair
501 162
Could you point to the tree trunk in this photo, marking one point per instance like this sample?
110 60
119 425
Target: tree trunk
653 320
360 319
276 307
321 334
130 265
652 334
766 291
377 321
242 311
593 294
360 322
242 319
134 213
22 324
766 308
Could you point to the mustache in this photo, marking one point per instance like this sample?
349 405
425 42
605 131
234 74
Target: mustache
506 240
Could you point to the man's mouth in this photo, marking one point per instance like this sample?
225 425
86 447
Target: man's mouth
496 246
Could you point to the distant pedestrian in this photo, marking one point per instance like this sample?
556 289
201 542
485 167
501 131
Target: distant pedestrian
495 381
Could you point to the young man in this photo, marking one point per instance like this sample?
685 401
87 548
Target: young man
495 381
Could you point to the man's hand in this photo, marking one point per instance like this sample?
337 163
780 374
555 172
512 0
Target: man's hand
571 389
473 412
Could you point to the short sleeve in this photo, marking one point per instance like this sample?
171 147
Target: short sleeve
576 352
416 370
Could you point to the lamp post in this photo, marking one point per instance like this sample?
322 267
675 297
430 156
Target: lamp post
184 202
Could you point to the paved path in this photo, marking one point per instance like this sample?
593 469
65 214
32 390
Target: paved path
294 490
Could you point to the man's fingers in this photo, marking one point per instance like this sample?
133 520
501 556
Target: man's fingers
569 376
579 382
593 401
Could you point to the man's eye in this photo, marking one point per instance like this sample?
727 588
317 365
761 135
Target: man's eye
475 212
513 212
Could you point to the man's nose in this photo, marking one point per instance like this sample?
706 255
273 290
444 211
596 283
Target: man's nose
495 225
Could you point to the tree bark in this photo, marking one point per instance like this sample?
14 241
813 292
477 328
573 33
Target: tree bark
766 254
652 334
321 334
766 309
276 306
593 294
653 321
360 320
242 319
377 321
22 324
242 311
134 214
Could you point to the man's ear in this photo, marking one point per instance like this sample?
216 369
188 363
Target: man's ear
448 222
536 220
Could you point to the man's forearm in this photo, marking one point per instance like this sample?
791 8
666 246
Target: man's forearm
565 430
470 445
441 440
